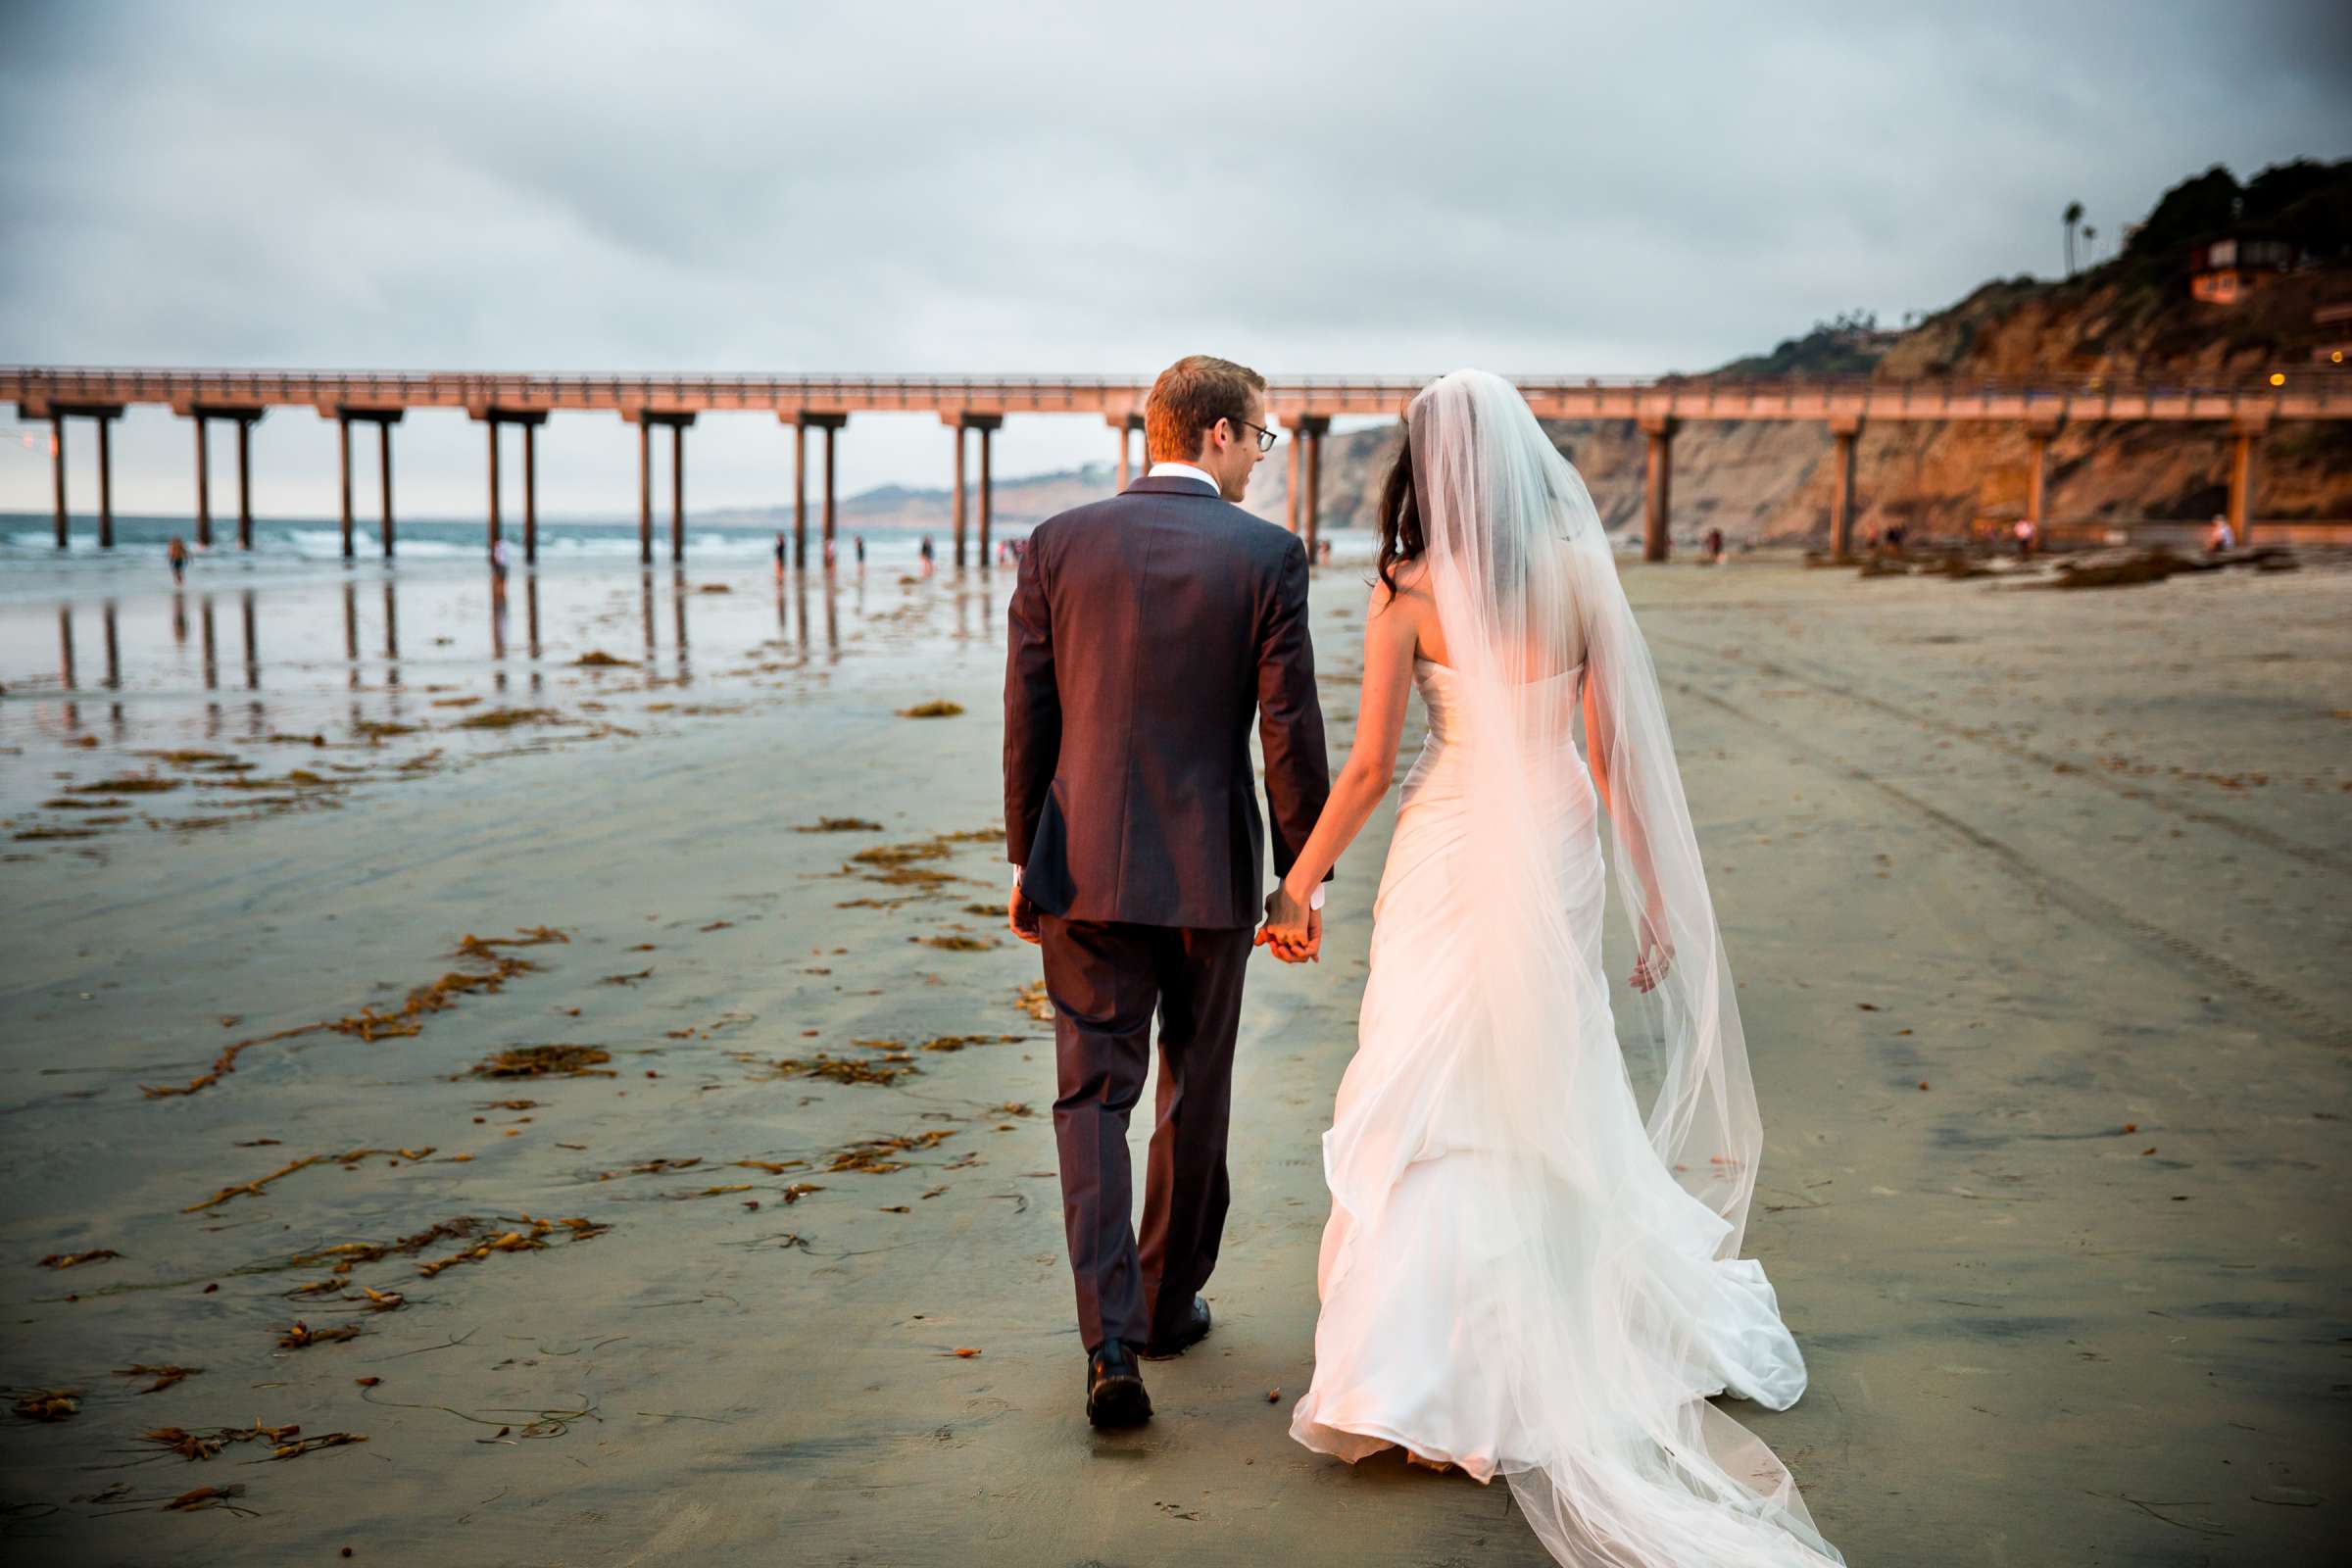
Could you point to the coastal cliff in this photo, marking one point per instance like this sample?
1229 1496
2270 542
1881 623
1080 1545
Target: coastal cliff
2132 316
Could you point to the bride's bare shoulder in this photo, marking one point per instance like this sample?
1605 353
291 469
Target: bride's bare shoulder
1412 578
1404 614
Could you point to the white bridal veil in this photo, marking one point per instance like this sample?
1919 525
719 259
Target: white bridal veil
1622 1302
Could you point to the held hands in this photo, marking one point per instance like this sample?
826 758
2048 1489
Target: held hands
1292 930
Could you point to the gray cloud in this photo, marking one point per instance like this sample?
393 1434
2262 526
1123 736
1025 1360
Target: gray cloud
1543 188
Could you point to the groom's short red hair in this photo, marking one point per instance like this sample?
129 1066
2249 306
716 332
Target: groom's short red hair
1191 396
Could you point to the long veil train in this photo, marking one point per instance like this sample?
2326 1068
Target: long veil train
1495 1185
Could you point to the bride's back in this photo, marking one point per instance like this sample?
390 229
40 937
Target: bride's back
1548 636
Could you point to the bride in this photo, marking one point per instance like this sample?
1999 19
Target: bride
1522 1274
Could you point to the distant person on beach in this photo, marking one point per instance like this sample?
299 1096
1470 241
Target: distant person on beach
498 569
176 553
780 552
828 555
2025 532
1146 632
858 542
2221 536
1714 547
925 554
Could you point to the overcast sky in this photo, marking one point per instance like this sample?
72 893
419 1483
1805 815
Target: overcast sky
1550 188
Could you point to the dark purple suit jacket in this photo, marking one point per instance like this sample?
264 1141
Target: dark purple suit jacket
1147 629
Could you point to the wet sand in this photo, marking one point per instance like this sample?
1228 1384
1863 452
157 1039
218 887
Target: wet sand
2038 901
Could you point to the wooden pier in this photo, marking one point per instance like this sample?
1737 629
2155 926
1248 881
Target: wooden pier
1658 406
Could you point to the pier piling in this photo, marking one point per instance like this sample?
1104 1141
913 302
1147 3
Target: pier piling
1657 491
1847 429
57 471
204 483
1312 428
343 470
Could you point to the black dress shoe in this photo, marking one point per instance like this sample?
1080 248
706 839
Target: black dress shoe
1114 1388
1193 1330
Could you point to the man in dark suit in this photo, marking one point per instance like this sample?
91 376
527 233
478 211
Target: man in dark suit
1146 630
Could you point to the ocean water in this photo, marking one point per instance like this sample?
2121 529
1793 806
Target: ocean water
108 668
31 566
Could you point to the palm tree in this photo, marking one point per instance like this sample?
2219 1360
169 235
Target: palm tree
2073 215
2089 249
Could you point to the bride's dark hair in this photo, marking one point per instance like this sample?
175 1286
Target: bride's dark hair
1399 515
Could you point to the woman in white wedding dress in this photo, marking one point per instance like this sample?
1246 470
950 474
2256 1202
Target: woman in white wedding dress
1522 1274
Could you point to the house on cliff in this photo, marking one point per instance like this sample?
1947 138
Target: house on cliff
2224 270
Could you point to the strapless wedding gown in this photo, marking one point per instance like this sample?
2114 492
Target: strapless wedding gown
1438 1313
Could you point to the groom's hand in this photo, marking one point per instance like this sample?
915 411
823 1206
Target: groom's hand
1021 914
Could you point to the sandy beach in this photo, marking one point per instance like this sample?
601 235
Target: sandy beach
2038 903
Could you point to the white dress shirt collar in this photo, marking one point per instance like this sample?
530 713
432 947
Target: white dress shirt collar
1183 470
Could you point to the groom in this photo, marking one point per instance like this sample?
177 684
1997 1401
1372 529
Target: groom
1146 630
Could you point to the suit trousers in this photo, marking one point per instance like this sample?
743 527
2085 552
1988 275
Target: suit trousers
1106 978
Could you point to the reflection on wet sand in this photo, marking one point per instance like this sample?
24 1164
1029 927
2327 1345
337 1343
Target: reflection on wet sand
253 650
65 640
114 667
531 611
796 620
335 685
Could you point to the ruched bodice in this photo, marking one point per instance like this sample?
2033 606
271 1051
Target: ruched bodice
1547 706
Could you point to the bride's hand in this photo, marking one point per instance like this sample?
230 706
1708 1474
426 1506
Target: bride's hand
1655 954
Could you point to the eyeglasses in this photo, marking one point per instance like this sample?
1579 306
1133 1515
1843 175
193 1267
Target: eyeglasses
1265 437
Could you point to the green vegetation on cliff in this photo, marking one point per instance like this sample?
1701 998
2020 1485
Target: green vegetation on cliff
1849 345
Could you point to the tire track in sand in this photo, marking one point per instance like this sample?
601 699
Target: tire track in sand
2276 843
2312 1021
